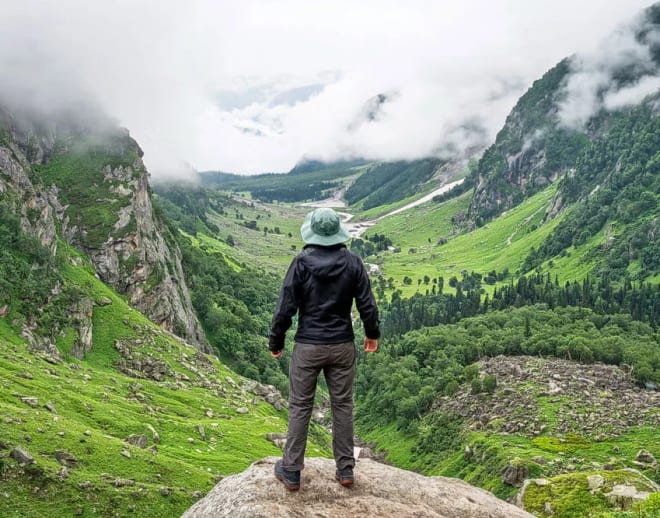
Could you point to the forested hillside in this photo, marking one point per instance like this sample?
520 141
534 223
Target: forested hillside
308 181
389 182
614 190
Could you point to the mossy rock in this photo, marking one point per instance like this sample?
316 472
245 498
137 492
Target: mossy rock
569 495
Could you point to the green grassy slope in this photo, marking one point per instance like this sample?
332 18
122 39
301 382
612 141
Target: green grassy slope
201 433
429 238
265 249
501 245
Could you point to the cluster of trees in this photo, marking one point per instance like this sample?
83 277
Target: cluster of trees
616 182
640 301
400 383
370 245
401 315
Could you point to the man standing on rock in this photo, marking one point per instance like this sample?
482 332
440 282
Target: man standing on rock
320 285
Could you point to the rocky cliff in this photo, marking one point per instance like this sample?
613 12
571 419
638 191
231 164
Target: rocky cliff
83 181
379 491
530 152
572 106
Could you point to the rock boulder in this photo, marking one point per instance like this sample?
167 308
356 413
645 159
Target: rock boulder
379 491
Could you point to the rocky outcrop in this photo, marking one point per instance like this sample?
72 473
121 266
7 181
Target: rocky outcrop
522 160
82 315
137 260
379 491
613 401
112 220
33 205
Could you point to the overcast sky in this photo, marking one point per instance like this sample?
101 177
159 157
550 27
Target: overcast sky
252 86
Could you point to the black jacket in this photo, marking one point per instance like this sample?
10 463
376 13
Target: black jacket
321 284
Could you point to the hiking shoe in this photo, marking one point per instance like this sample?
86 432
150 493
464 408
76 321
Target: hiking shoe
290 479
345 476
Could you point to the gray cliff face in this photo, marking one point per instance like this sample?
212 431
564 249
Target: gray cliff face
531 150
34 206
137 260
379 491
113 224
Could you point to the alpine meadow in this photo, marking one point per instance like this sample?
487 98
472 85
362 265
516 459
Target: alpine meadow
517 280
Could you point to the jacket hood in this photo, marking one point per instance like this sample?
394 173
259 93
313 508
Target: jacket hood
325 262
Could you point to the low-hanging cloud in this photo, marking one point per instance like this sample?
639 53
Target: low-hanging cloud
619 73
253 86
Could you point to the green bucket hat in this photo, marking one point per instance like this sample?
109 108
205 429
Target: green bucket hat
323 227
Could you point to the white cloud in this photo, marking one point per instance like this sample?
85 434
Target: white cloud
594 80
632 95
252 86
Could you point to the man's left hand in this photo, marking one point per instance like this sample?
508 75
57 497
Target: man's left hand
276 354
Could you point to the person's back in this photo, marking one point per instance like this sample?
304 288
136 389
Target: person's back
320 285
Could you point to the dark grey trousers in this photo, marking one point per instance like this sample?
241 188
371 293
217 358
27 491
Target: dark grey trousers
338 364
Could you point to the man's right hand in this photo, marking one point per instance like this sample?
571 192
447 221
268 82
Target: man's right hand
276 354
370 345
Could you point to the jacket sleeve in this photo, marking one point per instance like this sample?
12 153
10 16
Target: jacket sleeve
287 306
366 303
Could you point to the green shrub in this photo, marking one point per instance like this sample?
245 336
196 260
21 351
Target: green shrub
451 388
490 383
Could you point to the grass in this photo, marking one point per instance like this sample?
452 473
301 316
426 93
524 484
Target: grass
570 496
501 245
414 227
98 407
270 251
78 172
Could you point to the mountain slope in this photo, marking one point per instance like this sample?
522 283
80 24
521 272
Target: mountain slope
531 151
104 411
83 180
547 131
390 181
145 425
615 188
601 140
